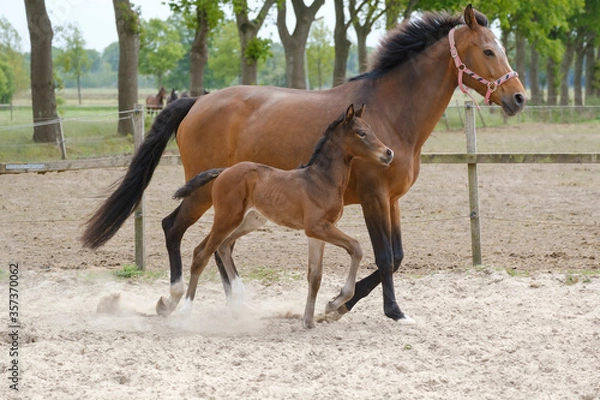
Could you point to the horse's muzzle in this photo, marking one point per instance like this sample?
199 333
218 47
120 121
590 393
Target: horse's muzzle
388 156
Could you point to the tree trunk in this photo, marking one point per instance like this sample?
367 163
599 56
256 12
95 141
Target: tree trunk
79 88
534 82
596 82
521 56
199 54
248 31
127 21
392 12
589 68
578 71
42 82
342 44
294 44
552 80
565 67
361 39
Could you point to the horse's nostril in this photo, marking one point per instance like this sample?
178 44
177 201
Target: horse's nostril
389 152
519 99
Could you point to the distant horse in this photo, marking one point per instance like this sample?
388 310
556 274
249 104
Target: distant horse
185 93
173 96
154 102
308 198
414 74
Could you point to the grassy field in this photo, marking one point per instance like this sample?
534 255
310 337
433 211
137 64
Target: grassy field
90 129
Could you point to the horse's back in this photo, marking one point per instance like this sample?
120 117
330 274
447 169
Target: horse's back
269 125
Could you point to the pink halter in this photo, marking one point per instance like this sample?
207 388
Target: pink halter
491 86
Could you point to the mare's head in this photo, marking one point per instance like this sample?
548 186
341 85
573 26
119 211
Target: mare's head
359 140
482 59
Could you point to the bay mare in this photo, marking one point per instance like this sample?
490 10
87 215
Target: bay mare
410 84
308 198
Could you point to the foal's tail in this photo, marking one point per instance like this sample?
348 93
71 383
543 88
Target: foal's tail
107 219
199 180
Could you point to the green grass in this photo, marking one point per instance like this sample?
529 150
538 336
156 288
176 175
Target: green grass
91 130
131 271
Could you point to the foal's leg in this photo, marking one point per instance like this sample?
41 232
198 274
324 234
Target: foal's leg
174 226
232 283
315 273
330 234
228 217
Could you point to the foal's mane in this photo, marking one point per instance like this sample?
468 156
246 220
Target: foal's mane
412 37
321 143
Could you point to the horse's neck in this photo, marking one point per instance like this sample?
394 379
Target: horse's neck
421 90
332 164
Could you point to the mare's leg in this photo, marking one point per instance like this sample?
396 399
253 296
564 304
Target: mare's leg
330 234
314 275
383 223
174 226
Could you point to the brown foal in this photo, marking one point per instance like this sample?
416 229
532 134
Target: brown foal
309 198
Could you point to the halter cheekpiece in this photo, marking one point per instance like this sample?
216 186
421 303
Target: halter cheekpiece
462 68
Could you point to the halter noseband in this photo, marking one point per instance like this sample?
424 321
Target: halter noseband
491 86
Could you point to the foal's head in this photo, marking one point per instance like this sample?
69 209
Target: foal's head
358 139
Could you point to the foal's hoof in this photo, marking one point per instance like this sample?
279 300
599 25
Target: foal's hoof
161 307
308 324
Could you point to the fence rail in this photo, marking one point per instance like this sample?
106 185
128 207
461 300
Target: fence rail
472 158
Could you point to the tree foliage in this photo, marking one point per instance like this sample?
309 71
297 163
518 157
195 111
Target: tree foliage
320 56
160 48
72 57
13 73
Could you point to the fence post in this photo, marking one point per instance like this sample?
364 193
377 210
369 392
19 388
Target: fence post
62 144
140 233
473 183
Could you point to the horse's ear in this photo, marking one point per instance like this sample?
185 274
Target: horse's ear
359 113
350 113
469 17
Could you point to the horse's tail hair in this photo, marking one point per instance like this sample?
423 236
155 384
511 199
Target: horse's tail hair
199 180
109 217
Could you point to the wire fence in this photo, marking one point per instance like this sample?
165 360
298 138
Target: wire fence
97 131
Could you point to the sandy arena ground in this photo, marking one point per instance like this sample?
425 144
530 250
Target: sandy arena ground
524 326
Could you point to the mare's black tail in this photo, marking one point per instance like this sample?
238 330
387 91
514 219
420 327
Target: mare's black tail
107 219
199 180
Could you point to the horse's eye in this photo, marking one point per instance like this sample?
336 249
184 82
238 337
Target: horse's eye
361 134
488 52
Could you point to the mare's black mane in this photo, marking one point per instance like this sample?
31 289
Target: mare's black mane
412 37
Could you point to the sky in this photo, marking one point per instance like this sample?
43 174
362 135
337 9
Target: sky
95 18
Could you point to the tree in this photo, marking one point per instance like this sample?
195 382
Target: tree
368 12
223 67
294 43
7 82
319 54
42 82
160 48
203 16
128 29
252 47
11 55
72 57
341 43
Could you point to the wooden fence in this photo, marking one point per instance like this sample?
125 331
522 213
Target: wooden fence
472 158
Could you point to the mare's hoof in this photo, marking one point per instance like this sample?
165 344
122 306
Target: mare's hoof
162 309
406 320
